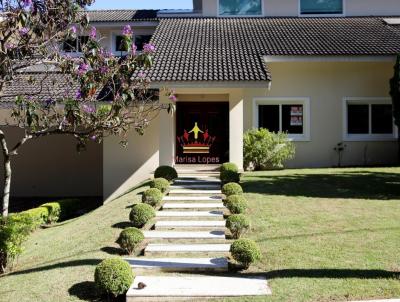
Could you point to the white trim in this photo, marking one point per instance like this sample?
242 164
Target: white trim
318 58
343 14
365 137
305 101
242 16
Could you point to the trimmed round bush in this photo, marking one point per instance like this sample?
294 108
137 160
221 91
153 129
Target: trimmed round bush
167 172
236 204
140 214
232 188
113 276
237 224
129 239
229 172
245 251
152 197
160 183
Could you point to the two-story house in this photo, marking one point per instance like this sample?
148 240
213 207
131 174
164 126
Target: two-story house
317 69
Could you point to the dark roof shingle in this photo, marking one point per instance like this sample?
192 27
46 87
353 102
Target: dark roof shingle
122 15
232 49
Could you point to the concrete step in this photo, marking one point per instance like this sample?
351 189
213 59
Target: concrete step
179 264
193 191
187 287
190 214
184 235
192 198
186 248
197 181
194 187
183 205
219 224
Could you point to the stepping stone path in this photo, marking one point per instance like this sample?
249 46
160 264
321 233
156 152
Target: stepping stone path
191 222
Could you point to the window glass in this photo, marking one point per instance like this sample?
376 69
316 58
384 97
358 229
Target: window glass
240 7
82 40
382 120
69 45
119 45
292 119
140 40
357 119
321 7
268 117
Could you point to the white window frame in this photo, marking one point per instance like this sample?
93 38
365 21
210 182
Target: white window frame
305 101
73 53
370 136
242 16
322 15
113 47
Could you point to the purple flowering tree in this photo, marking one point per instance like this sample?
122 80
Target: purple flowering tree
101 94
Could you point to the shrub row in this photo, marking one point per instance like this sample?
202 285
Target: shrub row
229 172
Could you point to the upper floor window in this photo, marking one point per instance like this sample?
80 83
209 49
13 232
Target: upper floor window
140 40
240 7
75 45
321 7
119 44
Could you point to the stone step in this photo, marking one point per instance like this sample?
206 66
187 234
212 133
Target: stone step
190 224
186 248
187 287
190 214
184 235
197 181
194 187
179 264
189 191
192 198
182 205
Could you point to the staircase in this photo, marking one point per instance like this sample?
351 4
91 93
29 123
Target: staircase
186 257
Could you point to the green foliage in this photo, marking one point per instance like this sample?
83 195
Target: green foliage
140 214
113 276
152 197
160 183
232 188
38 215
167 172
236 204
229 172
266 150
13 232
129 239
54 210
238 224
245 251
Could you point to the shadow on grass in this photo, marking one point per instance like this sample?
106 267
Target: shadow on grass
122 225
362 184
73 263
112 250
86 291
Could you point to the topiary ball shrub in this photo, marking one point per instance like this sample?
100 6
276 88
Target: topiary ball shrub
238 224
152 197
160 183
236 204
229 172
245 251
232 188
113 276
129 239
140 214
167 172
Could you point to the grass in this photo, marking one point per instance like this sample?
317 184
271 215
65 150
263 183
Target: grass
326 235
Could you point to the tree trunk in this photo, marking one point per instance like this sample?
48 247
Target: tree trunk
7 174
398 149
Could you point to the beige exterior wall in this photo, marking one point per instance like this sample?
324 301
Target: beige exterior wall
326 84
51 167
291 7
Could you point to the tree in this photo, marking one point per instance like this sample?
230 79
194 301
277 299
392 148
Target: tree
395 93
102 94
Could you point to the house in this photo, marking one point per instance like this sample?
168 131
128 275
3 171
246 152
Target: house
318 69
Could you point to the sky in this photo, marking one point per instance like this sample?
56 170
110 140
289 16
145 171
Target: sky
141 4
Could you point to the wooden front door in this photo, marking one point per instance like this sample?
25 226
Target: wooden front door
202 132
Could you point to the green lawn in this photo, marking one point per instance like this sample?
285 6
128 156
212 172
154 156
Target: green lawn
326 235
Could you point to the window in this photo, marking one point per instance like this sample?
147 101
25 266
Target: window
140 40
240 7
286 115
119 44
75 45
368 119
321 7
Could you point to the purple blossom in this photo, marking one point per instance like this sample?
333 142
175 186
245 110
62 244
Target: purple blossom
173 98
133 49
127 30
49 102
103 69
10 45
83 68
93 32
93 137
88 108
141 75
149 48
78 94
23 31
73 29
27 3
